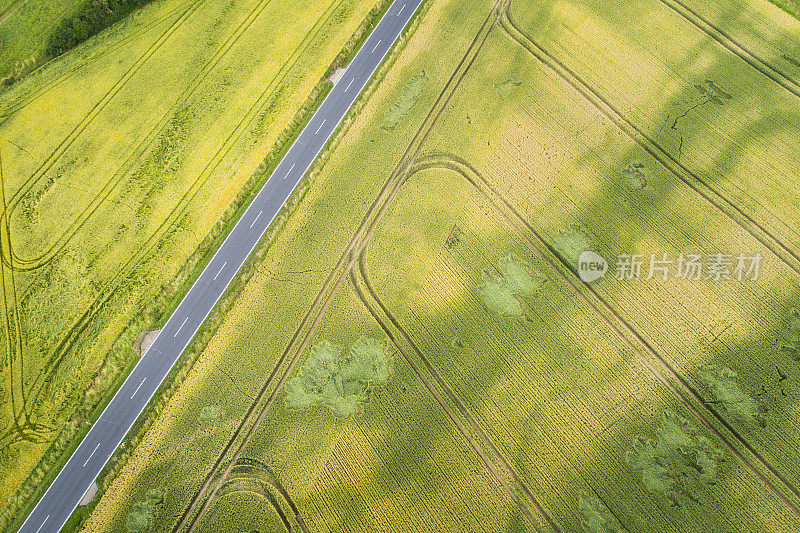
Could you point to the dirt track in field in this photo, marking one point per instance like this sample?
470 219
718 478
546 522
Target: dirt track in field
332 284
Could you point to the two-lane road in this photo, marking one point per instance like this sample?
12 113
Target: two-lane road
116 420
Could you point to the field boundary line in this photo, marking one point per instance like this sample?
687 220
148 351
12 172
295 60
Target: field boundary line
692 393
355 254
25 99
219 295
7 12
247 469
22 428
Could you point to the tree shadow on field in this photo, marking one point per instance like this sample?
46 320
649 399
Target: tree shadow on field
484 388
686 122
627 215
639 216
414 445
476 387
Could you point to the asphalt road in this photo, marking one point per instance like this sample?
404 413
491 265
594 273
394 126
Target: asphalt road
94 451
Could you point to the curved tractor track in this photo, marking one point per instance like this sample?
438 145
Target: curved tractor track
58 244
21 426
206 493
704 411
699 185
471 429
733 46
169 223
59 150
254 477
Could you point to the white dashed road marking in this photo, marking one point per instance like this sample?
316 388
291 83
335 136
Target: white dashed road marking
254 220
91 454
180 328
220 270
43 523
139 387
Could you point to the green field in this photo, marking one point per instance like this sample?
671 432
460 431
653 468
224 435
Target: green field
114 192
22 25
503 140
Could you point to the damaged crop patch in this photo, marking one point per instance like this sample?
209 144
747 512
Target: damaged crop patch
679 464
408 97
505 294
724 384
339 382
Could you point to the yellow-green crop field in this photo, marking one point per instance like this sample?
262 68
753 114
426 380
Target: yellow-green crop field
416 350
118 160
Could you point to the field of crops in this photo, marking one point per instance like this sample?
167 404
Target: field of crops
118 160
743 326
417 346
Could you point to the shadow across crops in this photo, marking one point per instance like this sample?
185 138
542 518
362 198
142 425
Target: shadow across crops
551 257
